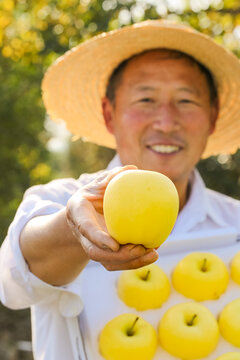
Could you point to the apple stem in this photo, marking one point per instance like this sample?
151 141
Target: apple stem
204 266
130 332
190 323
146 276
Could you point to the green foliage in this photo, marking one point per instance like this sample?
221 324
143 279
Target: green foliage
23 154
32 35
222 173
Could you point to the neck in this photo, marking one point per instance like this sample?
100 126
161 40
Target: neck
183 190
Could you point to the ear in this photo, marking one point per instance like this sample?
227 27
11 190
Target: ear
214 116
107 111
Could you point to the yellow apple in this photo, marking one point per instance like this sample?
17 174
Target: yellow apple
144 288
140 207
188 331
230 356
235 268
201 276
128 337
229 322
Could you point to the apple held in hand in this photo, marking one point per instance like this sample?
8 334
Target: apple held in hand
235 268
188 331
128 337
140 207
230 356
144 288
229 322
201 276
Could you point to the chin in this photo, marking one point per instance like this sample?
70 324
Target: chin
161 169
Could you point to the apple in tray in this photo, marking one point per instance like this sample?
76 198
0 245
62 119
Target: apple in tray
235 268
188 331
128 337
201 276
230 356
229 322
144 288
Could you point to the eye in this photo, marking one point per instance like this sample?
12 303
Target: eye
146 100
186 101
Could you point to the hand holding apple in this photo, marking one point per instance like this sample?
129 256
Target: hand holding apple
144 288
188 331
128 337
201 276
84 214
140 207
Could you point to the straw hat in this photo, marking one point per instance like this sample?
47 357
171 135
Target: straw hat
75 84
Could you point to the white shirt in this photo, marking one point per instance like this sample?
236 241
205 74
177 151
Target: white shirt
55 310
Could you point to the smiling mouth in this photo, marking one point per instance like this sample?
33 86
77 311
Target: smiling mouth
164 149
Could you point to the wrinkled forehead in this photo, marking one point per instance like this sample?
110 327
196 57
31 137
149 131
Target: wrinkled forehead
162 54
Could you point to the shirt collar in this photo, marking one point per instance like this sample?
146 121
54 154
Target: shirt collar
197 208
114 162
194 210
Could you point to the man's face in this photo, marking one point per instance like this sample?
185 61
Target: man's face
162 114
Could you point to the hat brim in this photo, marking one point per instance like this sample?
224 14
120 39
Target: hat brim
74 85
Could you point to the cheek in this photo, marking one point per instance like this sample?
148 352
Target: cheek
197 125
134 121
197 133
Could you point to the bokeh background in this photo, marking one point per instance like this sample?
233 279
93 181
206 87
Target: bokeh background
33 150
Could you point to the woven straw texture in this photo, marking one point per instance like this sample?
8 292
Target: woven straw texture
75 84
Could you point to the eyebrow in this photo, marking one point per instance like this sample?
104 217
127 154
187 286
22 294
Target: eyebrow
152 88
189 90
144 88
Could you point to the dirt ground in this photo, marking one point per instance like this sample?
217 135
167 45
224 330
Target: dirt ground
15 334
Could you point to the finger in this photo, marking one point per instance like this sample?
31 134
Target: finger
97 202
136 263
95 190
97 236
125 254
129 252
85 221
92 251
117 171
103 180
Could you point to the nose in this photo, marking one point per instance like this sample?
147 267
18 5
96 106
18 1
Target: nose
165 119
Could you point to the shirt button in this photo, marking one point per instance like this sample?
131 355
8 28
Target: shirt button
70 305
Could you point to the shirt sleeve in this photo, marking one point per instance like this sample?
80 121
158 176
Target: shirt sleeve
19 288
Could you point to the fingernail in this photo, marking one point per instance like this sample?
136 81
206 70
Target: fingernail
105 247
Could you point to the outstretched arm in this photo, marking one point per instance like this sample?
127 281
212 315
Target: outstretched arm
58 246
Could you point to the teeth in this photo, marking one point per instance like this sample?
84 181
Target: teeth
165 148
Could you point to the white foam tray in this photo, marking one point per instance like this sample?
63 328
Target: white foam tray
102 303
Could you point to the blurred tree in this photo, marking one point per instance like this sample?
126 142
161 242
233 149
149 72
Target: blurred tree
23 154
33 34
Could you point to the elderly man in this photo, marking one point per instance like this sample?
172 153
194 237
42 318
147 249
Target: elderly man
164 96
